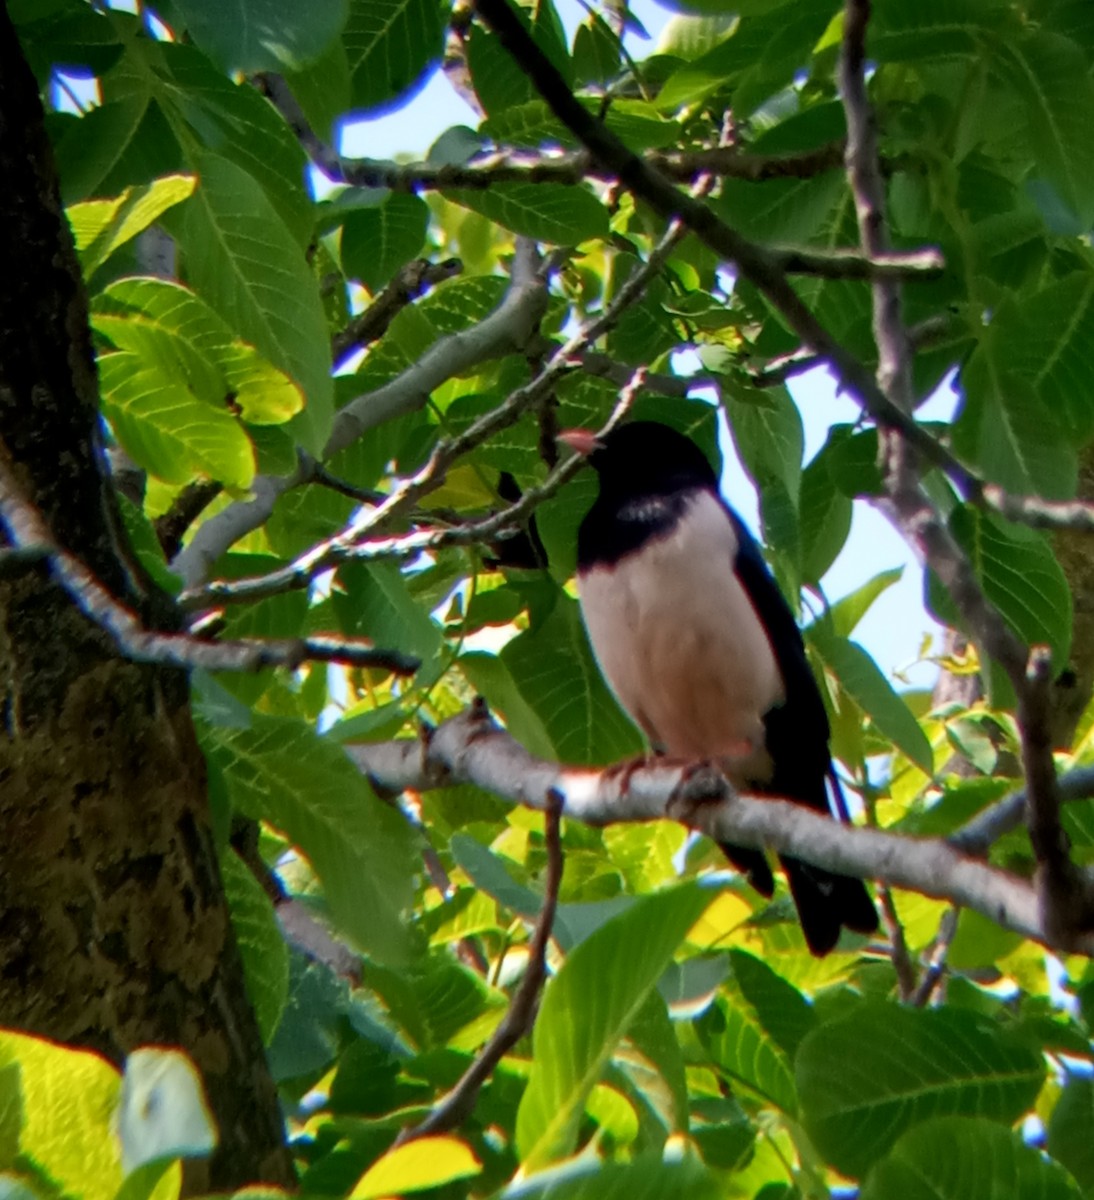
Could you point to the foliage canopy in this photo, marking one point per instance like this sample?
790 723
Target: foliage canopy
686 1043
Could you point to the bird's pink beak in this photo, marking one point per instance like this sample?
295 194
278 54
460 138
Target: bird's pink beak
583 441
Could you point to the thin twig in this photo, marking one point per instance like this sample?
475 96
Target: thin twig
458 1105
898 946
28 532
936 960
408 283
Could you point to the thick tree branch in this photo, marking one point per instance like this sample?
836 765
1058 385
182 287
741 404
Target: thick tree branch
470 748
458 1105
28 533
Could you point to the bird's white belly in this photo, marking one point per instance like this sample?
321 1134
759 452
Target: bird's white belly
679 642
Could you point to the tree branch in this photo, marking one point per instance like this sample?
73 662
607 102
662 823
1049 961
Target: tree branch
505 330
28 533
351 541
408 283
343 548
978 834
458 1105
470 748
755 262
1064 904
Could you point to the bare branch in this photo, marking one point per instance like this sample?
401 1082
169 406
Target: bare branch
519 166
936 960
470 748
1065 906
755 262
343 548
987 827
1077 515
408 283
458 1105
28 533
898 945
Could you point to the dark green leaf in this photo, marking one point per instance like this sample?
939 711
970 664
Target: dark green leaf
1069 1140
922 1063
377 241
362 849
261 943
960 1158
390 45
263 35
1020 576
547 212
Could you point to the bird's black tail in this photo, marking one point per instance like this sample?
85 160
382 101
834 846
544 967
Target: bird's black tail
826 902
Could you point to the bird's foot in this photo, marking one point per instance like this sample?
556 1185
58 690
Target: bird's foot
701 783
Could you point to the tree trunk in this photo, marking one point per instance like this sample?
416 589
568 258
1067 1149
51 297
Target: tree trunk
114 930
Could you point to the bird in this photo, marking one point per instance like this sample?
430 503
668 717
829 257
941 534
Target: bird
698 644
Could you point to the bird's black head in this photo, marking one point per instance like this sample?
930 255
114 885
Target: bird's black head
648 474
644 458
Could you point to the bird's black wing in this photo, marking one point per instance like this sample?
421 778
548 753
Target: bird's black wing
796 737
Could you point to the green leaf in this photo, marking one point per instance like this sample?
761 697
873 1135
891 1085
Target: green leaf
860 677
845 614
932 30
740 1045
261 944
244 262
11 1114
168 430
1069 1128
1020 576
68 1100
648 1177
416 1166
1006 428
606 979
263 35
825 520
377 241
1050 73
390 45
144 316
363 851
558 680
375 601
1045 339
102 226
234 122
921 1063
960 1158
548 212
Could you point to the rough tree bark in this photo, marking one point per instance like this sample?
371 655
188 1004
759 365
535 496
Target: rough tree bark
114 930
